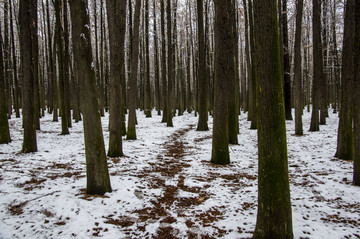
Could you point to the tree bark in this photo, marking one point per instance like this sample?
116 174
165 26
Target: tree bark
131 130
16 89
170 74
148 103
317 66
233 82
224 70
297 71
202 122
163 62
345 142
29 70
286 62
156 63
98 180
356 95
252 94
274 208
4 124
61 67
116 11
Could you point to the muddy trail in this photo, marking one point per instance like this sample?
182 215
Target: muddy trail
171 206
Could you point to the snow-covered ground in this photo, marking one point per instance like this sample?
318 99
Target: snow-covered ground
165 186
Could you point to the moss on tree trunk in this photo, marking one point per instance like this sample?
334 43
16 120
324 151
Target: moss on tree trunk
274 218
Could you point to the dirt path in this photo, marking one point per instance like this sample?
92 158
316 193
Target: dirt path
170 207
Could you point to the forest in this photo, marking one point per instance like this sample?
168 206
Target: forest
180 118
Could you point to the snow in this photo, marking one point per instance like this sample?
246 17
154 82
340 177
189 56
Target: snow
166 185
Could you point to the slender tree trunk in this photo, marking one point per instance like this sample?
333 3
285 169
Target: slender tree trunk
116 11
297 70
356 95
148 102
274 218
97 61
131 130
163 62
170 74
29 70
233 81
324 88
318 69
7 60
61 54
98 180
66 63
286 62
156 63
4 124
248 63
224 70
345 142
16 89
253 69
202 123
51 64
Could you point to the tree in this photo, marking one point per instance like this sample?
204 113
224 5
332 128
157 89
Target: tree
156 62
318 67
224 70
345 142
147 59
29 70
233 125
131 130
253 82
286 62
98 180
4 124
202 123
356 95
274 208
297 71
116 11
61 67
16 89
163 62
171 67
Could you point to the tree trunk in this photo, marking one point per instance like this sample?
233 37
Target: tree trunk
202 123
253 82
274 208
224 70
97 60
318 66
131 130
356 95
233 81
66 63
98 180
7 60
51 64
61 54
170 84
156 63
16 89
29 70
286 62
148 103
163 62
345 142
116 11
4 124
297 71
